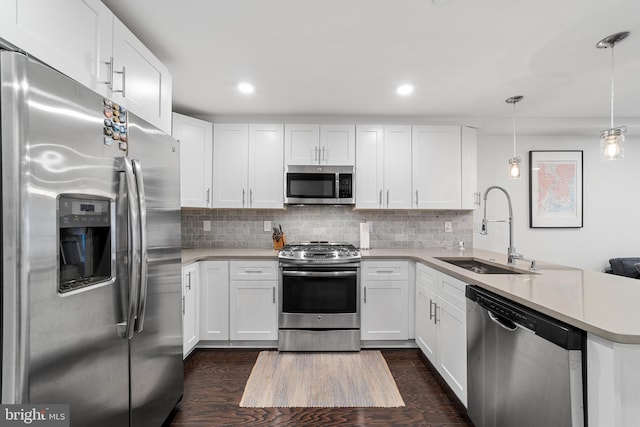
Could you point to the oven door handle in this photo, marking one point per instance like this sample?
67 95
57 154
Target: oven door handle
320 273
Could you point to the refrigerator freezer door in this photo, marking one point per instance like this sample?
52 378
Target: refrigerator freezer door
56 348
156 351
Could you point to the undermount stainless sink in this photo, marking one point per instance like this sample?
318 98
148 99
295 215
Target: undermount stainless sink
479 266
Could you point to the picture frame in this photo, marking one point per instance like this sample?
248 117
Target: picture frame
556 189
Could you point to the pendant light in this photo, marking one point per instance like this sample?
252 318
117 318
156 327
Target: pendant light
514 162
611 139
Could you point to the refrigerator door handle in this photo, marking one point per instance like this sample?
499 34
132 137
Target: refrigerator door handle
144 254
134 251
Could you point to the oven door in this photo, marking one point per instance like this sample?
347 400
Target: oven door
319 297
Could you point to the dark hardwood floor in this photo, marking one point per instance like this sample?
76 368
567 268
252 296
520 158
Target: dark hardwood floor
215 379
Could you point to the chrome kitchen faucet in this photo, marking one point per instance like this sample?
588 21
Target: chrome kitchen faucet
512 255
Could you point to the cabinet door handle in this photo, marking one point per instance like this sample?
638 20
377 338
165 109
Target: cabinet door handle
189 280
365 294
208 195
250 197
315 153
243 194
380 202
437 309
109 81
324 157
417 200
274 294
124 80
387 198
431 315
183 312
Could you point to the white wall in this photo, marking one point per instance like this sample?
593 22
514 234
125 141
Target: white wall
611 209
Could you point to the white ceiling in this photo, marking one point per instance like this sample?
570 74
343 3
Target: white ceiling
346 57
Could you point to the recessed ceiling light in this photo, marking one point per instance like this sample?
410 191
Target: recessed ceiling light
404 90
245 87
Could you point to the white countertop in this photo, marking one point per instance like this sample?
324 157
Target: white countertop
603 304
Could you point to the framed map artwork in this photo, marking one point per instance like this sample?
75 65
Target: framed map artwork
555 189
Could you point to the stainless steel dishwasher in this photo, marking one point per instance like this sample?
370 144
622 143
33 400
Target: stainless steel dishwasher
524 369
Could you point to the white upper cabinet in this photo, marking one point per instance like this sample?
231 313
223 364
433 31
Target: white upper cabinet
84 40
369 166
230 154
419 167
301 144
436 167
311 144
247 166
266 168
140 81
396 192
470 190
72 36
196 139
383 167
337 145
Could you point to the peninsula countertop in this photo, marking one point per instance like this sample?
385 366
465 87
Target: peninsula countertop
603 304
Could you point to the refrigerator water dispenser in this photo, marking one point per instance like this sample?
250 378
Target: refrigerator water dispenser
84 240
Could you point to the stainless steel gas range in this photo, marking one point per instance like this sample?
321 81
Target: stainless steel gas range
319 308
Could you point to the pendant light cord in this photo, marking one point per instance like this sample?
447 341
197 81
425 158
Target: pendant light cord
612 88
514 129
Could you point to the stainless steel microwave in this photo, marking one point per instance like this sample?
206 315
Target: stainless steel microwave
319 185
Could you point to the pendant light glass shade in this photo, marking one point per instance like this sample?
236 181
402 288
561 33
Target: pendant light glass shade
612 139
514 168
611 143
514 162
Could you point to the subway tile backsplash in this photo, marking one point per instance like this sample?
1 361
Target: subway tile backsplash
243 228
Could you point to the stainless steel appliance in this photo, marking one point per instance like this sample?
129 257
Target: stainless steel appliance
319 305
91 294
319 185
524 369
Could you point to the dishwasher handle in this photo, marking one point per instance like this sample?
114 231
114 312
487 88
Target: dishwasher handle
503 323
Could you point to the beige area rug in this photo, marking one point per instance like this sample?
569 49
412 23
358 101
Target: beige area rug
321 380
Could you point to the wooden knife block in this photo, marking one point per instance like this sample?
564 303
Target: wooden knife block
279 243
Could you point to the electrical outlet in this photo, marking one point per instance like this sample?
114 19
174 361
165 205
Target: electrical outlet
206 225
448 228
267 226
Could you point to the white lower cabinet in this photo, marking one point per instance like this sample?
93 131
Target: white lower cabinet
613 376
426 327
253 300
235 301
214 300
190 282
441 326
384 300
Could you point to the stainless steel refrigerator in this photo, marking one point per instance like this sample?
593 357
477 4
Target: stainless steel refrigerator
91 294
